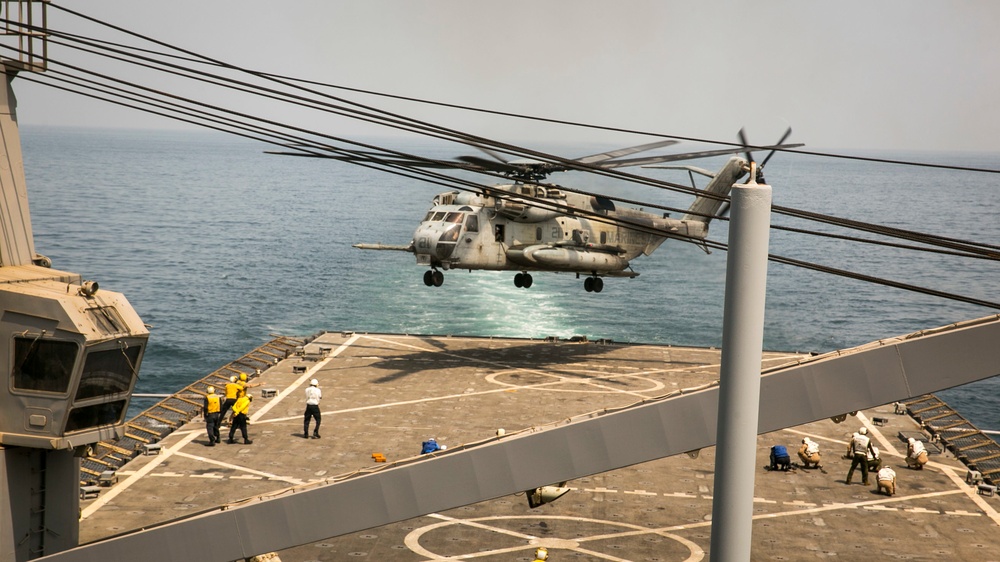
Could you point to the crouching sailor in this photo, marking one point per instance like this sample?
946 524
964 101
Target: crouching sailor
916 454
809 453
886 481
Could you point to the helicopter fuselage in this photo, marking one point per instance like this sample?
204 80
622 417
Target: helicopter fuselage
527 227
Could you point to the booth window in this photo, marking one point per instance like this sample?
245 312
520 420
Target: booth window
95 415
108 372
43 365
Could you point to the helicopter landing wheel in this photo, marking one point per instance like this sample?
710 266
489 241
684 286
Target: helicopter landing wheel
593 284
522 280
433 278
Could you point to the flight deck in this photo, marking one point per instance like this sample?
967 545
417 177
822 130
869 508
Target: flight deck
385 394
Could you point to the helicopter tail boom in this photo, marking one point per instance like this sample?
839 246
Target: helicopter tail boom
704 208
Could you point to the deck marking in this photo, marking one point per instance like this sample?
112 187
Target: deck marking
971 492
301 380
290 480
165 453
412 540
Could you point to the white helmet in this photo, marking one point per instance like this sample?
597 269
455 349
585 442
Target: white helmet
863 431
211 390
232 378
314 382
541 553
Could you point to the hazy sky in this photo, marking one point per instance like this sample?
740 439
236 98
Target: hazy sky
908 74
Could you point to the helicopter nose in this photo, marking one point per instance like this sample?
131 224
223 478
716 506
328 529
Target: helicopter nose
436 240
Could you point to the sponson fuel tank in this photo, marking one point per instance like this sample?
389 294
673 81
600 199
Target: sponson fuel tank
575 259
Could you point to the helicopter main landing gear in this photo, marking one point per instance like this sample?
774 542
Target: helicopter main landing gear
593 284
522 280
433 278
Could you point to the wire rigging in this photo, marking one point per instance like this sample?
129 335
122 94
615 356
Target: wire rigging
106 88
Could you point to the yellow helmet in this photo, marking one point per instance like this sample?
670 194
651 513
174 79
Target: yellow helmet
243 376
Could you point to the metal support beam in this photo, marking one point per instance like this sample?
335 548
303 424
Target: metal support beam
739 378
813 389
17 247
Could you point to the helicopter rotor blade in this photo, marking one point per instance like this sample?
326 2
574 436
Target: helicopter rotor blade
489 165
783 138
611 155
690 156
742 135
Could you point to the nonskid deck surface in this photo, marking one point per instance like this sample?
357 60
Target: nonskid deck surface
387 393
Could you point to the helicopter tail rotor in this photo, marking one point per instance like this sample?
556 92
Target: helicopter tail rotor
749 154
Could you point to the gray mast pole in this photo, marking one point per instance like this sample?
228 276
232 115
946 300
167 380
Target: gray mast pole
739 380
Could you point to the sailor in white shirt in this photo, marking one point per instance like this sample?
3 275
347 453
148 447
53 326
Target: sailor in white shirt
313 396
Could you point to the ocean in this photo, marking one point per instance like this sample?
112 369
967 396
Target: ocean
219 246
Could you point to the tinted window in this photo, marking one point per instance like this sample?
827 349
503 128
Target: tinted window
472 224
108 372
95 416
43 365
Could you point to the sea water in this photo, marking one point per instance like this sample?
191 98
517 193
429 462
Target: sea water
218 246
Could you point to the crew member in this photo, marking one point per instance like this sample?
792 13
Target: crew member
874 459
809 453
241 412
212 407
779 458
916 454
886 479
858 450
233 389
313 396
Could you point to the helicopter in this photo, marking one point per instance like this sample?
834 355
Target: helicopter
528 226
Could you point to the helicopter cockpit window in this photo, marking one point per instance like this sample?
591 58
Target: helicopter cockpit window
472 224
43 365
454 217
450 234
438 216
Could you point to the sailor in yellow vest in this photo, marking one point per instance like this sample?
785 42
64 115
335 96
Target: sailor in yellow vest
241 412
233 390
213 414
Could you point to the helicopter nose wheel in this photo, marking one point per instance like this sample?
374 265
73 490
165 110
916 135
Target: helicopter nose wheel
433 278
593 284
522 280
